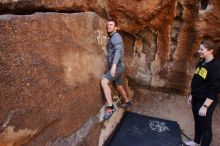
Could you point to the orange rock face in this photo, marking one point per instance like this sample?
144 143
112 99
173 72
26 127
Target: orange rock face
140 14
49 60
45 5
50 78
167 54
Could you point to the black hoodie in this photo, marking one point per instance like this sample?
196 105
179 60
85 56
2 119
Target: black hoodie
206 80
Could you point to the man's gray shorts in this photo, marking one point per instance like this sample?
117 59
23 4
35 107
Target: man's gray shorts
118 76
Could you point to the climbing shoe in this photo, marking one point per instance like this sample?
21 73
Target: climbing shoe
109 112
126 104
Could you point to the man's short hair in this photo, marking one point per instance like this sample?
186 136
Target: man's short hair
112 20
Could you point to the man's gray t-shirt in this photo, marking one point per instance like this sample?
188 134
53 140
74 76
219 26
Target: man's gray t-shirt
115 51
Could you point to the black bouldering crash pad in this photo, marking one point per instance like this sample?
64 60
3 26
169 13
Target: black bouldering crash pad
139 130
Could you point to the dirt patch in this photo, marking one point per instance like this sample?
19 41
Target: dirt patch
172 107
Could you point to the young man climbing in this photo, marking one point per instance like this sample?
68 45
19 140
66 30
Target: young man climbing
204 88
115 55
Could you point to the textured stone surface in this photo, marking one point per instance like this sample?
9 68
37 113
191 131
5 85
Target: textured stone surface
139 14
87 135
168 53
170 31
196 25
92 138
33 5
208 21
50 71
69 6
39 73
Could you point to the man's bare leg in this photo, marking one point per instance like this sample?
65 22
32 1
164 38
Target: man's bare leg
123 93
107 91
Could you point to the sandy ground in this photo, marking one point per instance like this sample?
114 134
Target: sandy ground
172 107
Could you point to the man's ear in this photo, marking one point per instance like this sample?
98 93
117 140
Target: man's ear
211 50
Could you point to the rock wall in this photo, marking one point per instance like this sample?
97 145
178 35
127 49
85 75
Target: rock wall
165 46
51 66
51 61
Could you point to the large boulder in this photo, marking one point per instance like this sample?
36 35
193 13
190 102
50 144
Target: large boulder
208 21
50 70
167 32
44 5
46 55
64 6
164 55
